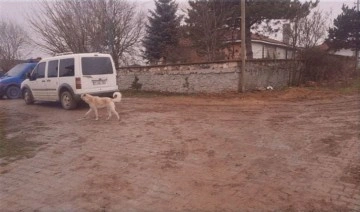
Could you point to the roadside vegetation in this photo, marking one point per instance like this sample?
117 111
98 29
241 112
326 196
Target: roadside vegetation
353 87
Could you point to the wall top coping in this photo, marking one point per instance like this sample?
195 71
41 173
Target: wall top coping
214 62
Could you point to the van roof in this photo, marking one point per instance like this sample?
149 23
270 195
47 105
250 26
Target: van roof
77 55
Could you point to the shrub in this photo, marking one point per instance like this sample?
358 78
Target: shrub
321 66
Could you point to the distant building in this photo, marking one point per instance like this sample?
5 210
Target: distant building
341 52
263 48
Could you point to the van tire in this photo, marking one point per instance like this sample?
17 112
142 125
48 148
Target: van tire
13 92
68 101
28 97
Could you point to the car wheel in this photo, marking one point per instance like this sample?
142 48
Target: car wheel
13 92
28 97
67 100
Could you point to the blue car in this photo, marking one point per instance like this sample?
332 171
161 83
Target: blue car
10 82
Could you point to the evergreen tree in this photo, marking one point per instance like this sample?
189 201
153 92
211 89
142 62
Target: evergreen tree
346 30
162 30
257 11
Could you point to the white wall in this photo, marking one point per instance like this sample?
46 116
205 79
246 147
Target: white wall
345 52
208 77
281 53
257 50
278 52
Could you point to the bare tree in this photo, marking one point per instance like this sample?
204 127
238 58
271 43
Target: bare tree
111 26
206 20
308 31
13 41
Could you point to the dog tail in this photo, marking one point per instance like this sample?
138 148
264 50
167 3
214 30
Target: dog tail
117 97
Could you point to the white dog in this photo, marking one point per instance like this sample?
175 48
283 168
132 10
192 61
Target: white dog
96 103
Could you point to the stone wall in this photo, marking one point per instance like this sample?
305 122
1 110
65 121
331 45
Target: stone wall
208 77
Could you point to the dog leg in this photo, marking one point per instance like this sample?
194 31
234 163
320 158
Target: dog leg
109 113
96 114
116 113
87 113
111 109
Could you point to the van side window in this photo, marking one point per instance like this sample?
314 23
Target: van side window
66 67
40 70
53 68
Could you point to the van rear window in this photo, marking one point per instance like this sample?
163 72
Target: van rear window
96 65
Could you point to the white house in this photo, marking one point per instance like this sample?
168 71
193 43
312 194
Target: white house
341 52
263 48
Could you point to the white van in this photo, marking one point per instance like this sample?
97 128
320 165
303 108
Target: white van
64 78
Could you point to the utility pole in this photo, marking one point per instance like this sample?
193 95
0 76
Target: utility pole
243 48
357 41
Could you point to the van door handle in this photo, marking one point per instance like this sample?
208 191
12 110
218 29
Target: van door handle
87 76
48 80
42 80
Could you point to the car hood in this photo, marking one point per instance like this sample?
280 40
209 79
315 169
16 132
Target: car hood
6 79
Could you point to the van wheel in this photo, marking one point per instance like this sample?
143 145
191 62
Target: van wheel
13 92
67 101
28 97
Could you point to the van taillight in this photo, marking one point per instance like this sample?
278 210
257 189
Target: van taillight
78 83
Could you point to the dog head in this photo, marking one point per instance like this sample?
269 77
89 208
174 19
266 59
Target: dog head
83 96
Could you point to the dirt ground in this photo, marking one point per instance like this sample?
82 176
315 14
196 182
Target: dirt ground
291 150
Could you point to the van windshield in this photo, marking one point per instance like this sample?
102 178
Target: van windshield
16 70
96 65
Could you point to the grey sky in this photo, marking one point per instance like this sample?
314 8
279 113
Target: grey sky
17 10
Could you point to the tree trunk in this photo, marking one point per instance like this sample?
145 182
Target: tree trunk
357 66
249 52
115 59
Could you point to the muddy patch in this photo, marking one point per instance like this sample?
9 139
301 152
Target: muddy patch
314 206
327 146
352 175
15 145
175 154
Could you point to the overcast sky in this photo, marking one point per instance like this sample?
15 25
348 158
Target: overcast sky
16 10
